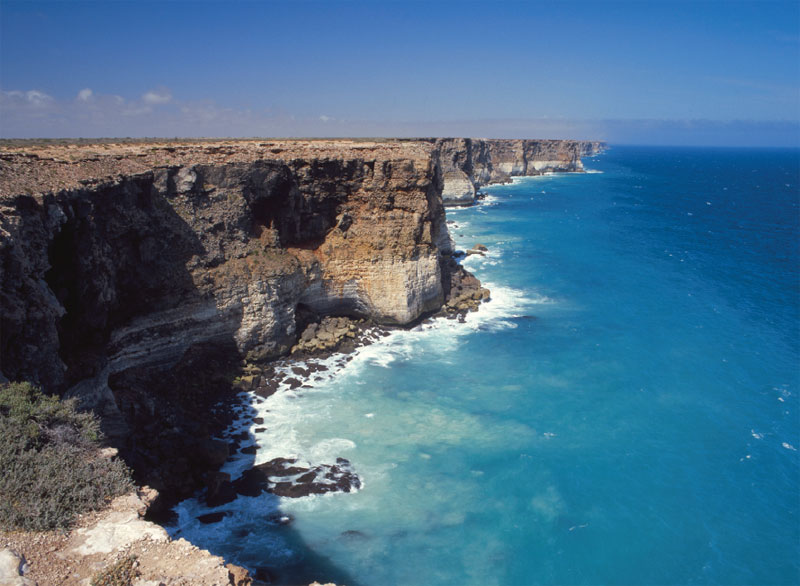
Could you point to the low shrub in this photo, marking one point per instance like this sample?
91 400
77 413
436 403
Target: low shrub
50 462
121 573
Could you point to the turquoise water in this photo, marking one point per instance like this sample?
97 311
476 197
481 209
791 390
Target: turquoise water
624 411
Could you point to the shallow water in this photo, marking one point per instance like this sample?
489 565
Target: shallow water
624 410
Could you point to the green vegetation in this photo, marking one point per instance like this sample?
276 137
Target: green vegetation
120 573
50 462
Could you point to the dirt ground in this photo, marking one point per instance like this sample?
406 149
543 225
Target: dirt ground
101 539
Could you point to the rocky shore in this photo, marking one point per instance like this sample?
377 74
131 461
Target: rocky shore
155 281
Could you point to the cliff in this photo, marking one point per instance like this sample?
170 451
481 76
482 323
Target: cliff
144 279
137 277
469 163
207 243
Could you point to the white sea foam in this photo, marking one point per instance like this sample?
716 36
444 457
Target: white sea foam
245 517
329 449
789 446
284 412
458 225
528 178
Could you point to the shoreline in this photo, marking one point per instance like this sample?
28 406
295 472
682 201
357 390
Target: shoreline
321 373
296 370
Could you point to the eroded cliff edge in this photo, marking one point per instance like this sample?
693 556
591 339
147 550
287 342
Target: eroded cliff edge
135 276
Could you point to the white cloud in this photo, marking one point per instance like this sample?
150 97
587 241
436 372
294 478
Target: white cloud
85 95
325 118
160 96
32 97
38 98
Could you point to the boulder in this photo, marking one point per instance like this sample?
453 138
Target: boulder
12 569
238 576
220 490
209 518
115 531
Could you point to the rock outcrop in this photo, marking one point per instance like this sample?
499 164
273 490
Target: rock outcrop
13 568
109 539
469 163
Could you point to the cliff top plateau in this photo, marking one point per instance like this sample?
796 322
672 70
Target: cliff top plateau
34 167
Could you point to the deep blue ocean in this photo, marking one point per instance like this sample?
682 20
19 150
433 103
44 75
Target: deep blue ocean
625 410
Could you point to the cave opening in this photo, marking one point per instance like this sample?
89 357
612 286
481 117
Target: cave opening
296 220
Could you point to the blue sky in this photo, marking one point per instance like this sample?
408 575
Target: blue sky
640 72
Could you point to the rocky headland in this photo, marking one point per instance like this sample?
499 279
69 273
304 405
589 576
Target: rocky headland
153 281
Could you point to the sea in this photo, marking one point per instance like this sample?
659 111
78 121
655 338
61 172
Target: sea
624 410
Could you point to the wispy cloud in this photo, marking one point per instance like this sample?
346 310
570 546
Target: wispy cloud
33 98
156 112
35 114
160 96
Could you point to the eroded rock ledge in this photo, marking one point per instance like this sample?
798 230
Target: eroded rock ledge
138 276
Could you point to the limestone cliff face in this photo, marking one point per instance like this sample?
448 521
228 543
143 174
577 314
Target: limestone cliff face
467 164
121 256
457 159
133 271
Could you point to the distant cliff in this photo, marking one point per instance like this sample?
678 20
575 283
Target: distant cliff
469 163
